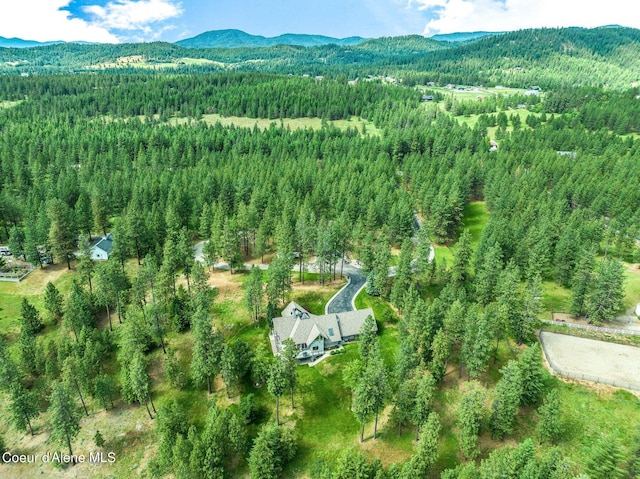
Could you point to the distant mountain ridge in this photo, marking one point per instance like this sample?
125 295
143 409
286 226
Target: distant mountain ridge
20 43
463 36
238 38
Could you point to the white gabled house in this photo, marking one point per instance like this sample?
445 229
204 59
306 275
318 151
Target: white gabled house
314 335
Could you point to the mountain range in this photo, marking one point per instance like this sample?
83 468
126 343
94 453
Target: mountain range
238 38
463 36
541 57
20 43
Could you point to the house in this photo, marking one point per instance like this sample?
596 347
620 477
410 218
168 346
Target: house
102 248
314 335
426 98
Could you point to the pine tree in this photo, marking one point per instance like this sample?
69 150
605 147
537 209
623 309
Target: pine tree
64 415
27 351
83 215
272 450
382 257
100 212
427 450
53 301
105 391
173 371
98 439
423 253
404 402
550 426
185 255
402 279
62 233
261 364
230 246
16 242
234 362
368 338
289 354
470 413
460 269
606 461
140 381
207 349
75 378
277 383
487 275
532 375
422 408
581 284
30 319
172 421
440 352
508 392
22 406
254 293
77 312
86 266
605 297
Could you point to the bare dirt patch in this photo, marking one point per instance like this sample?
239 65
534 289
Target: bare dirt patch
227 285
591 360
36 282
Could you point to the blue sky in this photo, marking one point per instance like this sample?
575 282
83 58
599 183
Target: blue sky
170 20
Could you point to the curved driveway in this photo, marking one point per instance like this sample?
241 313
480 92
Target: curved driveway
344 299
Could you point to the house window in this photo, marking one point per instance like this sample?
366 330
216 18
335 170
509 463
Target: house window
315 348
331 332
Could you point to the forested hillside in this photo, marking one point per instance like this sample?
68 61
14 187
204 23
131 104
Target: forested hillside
531 204
546 57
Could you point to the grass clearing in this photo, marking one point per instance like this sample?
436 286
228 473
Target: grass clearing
558 298
555 298
631 286
32 288
472 92
475 219
139 61
291 123
9 104
523 113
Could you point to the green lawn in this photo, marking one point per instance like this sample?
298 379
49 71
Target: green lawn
475 218
631 286
471 120
555 298
292 123
32 288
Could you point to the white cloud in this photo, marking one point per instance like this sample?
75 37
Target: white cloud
133 15
450 16
43 20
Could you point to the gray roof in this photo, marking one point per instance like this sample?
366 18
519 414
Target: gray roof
351 321
105 243
303 327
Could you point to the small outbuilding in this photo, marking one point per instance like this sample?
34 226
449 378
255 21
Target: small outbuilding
102 248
